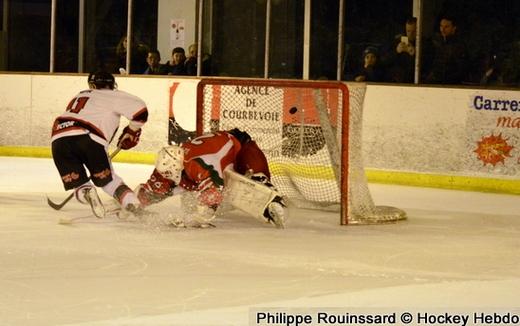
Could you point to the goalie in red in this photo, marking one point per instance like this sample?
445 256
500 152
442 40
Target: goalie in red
216 165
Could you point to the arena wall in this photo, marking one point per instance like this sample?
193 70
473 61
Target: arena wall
457 138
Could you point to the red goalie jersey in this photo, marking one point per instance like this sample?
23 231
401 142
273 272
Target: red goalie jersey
207 156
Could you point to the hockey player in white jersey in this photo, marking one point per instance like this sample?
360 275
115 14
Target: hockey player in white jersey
80 139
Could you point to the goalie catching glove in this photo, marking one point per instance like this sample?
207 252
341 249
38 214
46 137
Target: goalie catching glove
129 138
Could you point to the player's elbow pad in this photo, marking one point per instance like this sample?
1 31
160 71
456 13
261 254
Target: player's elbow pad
141 116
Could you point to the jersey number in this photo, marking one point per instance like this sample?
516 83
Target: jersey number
77 104
200 140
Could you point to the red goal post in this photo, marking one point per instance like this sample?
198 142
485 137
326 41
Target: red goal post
310 132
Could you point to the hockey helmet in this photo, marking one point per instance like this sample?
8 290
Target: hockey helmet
101 79
242 136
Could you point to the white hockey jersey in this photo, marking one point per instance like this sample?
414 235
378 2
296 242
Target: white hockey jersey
97 112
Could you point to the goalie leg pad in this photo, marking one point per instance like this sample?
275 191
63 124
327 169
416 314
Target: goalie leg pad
254 198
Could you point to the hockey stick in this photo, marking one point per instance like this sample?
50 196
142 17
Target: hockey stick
72 220
58 206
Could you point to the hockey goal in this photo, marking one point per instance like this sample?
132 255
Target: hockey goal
310 132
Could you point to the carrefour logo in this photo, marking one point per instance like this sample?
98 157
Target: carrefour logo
481 102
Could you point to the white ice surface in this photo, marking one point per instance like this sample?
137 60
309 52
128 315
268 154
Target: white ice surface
456 250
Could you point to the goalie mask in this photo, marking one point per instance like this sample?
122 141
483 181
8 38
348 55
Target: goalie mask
169 162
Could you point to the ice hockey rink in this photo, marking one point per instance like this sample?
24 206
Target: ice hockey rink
457 251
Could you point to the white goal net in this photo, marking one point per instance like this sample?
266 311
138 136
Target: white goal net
310 132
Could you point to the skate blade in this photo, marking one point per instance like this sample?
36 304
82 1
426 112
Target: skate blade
96 205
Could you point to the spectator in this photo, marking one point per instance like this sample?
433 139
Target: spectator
510 65
176 65
491 75
402 59
137 59
154 64
449 55
191 61
372 70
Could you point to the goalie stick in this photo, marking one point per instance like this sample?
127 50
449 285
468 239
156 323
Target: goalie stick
58 206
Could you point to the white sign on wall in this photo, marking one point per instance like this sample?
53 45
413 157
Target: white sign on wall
177 33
